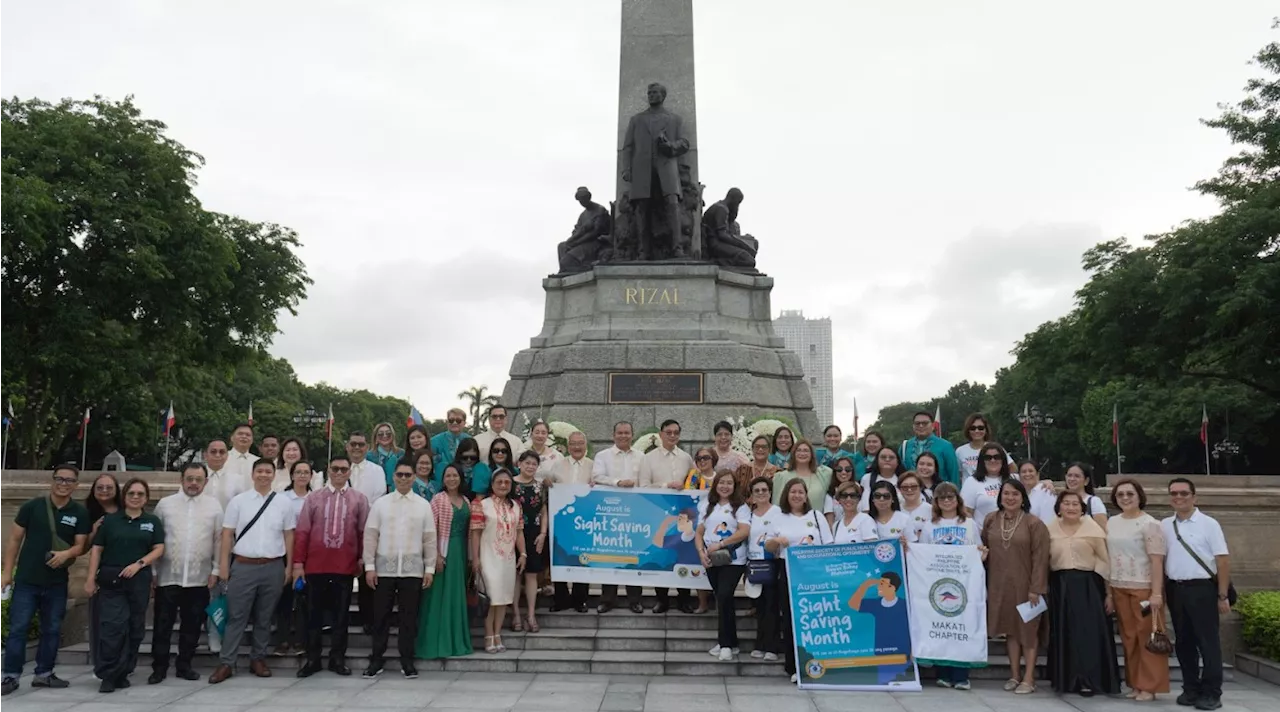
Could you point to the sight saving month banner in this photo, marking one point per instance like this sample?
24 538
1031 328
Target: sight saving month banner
948 605
849 616
627 536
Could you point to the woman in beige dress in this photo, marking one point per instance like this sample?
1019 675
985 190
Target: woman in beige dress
497 554
1017 572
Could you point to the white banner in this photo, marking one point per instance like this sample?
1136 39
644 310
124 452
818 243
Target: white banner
948 592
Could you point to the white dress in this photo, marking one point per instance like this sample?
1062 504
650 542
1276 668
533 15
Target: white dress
498 549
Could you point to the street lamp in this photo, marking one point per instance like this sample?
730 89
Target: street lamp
1033 420
309 420
1228 449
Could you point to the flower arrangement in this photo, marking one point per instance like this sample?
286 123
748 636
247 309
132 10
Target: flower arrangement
559 438
744 432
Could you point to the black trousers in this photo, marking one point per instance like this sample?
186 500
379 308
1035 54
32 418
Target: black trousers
768 615
609 593
122 625
328 598
563 599
1193 607
392 592
364 602
724 581
784 620
684 596
184 605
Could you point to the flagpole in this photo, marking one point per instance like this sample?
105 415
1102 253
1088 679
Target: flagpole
4 450
329 437
84 446
165 465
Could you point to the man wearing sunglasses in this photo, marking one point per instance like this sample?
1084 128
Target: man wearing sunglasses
48 534
444 445
924 440
497 429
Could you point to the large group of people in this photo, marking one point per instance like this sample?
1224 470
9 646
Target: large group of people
269 541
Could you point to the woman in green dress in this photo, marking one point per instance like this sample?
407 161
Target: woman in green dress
444 631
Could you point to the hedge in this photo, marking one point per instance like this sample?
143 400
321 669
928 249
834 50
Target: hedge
1260 612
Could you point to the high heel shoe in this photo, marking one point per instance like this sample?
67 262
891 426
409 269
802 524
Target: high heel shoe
489 647
499 647
532 624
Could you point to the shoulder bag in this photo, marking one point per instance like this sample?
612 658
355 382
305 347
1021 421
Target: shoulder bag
1231 587
253 521
56 542
761 571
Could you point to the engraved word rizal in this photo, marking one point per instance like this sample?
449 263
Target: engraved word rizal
651 295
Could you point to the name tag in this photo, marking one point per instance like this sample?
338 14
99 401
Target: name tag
69 520
147 527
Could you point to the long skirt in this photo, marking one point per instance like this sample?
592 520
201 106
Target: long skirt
443 628
1082 649
1143 669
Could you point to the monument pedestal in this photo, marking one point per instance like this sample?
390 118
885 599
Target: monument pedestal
649 341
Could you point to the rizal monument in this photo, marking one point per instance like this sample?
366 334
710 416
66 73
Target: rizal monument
658 309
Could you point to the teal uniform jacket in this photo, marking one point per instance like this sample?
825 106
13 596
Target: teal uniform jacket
948 466
387 461
825 457
444 446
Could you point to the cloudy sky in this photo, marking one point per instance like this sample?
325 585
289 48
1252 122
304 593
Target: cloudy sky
924 173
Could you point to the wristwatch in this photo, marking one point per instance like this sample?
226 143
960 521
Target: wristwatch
1222 597
141 564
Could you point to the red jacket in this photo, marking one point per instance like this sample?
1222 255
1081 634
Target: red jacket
330 534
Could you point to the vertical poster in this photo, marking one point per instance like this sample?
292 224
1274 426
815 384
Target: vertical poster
849 616
948 605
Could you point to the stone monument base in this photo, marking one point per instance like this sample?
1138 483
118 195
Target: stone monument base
646 342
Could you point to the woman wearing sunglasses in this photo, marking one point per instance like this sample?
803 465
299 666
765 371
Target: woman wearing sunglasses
948 526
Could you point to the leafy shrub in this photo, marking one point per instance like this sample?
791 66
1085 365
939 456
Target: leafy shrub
1261 614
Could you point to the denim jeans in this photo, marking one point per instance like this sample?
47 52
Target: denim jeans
954 675
51 603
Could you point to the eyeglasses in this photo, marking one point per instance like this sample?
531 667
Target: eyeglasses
671 433
992 458
500 451
135 493
456 421
702 458
382 433
358 444
921 423
469 458
978 427
404 475
760 490
337 469
844 469
882 496
846 495
1179 493
945 497
497 416
65 480
1126 495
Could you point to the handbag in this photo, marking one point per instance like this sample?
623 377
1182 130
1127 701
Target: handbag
1231 587
761 571
217 612
720 557
477 599
1159 643
109 577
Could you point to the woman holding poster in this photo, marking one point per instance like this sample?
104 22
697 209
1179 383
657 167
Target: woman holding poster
1018 572
763 567
799 525
725 524
1082 649
886 510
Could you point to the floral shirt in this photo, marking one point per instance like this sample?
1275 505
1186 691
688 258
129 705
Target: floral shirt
532 498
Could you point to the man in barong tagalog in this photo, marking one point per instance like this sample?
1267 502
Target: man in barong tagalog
653 142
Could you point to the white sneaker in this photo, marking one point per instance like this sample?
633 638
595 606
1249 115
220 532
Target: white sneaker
757 654
795 677
771 657
715 651
726 654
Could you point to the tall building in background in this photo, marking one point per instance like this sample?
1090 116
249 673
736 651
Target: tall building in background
811 339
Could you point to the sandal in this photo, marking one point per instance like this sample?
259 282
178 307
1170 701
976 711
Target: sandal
1144 697
517 623
1011 684
532 625
489 647
499 648
1024 689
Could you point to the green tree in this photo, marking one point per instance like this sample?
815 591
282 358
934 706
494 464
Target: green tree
120 290
480 401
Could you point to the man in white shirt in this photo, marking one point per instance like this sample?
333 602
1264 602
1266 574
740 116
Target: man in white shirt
241 458
370 480
576 469
497 429
399 562
1198 569
223 484
618 466
186 571
668 466
255 563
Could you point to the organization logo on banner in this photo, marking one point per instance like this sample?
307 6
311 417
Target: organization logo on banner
948 597
886 552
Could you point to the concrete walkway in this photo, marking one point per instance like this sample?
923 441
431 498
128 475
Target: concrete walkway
567 693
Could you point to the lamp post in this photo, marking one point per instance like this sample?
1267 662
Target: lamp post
308 420
1033 420
1227 449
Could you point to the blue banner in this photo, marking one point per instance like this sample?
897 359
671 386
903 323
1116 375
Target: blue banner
633 537
849 616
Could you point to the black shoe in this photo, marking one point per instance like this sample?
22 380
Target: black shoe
1208 703
685 607
660 607
123 683
1188 699
604 607
339 669
637 608
309 669
581 608
155 678
107 686
51 681
556 608
374 670
187 675
408 670
10 685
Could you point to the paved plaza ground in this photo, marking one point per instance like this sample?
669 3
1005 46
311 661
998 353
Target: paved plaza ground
568 693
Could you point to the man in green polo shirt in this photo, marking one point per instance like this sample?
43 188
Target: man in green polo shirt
48 534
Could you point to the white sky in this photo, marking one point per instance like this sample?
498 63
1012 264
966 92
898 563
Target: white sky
925 173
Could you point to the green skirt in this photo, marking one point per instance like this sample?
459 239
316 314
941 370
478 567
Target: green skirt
443 628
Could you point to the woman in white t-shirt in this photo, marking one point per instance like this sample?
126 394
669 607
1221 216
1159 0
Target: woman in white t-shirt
763 518
850 525
799 525
842 471
949 526
724 525
979 433
886 511
927 470
887 468
1040 491
1080 481
981 491
914 505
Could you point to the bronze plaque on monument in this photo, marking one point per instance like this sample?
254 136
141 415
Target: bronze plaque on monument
676 388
